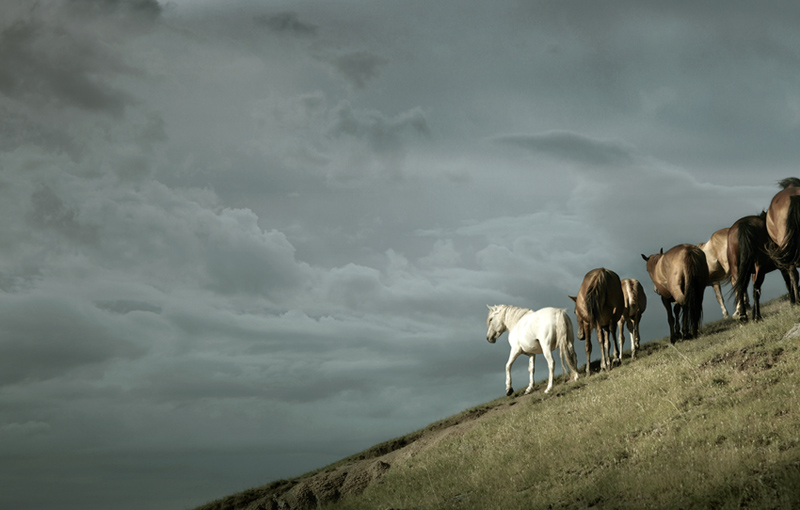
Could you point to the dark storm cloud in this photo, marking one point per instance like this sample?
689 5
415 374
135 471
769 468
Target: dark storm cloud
42 66
125 11
287 23
575 147
359 67
46 337
52 57
384 134
48 211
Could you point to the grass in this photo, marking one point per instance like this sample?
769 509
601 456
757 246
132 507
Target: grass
707 423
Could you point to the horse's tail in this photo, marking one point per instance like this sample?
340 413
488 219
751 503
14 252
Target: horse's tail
788 255
565 339
595 297
748 249
695 286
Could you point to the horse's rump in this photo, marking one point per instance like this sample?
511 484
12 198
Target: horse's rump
716 252
634 297
749 241
783 226
602 292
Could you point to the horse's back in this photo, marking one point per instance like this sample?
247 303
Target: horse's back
545 319
541 329
684 266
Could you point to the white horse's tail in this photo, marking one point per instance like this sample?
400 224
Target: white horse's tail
565 338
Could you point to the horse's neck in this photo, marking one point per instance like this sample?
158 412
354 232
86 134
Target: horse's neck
513 314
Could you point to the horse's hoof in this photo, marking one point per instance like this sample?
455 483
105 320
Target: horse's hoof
530 390
509 392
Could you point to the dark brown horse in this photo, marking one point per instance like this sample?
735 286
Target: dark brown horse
680 276
750 251
783 227
599 306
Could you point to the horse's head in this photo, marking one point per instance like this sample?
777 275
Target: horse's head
581 333
652 260
495 326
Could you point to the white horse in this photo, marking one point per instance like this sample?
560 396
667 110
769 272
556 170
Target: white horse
532 333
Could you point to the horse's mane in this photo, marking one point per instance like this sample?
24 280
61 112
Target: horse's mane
789 182
512 314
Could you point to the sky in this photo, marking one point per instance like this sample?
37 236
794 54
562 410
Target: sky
242 240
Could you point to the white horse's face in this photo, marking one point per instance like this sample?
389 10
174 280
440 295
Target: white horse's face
494 326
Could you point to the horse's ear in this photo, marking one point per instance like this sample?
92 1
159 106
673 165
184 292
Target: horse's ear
574 298
662 251
645 257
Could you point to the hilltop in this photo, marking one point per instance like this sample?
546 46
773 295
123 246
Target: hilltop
707 423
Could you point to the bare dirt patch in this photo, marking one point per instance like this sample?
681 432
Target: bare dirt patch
746 359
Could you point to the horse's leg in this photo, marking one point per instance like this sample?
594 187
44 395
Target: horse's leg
514 354
548 356
788 282
758 280
621 338
679 334
794 295
531 368
741 303
612 340
605 349
633 327
670 319
588 351
602 334
686 327
718 292
790 278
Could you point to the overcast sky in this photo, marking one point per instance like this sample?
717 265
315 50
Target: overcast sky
244 239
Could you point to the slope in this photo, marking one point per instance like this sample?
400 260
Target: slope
711 422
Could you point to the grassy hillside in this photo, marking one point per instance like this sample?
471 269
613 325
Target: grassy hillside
709 423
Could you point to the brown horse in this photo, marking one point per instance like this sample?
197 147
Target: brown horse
716 250
635 305
749 253
783 227
599 305
680 276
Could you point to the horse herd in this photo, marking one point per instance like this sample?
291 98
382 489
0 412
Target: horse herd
750 248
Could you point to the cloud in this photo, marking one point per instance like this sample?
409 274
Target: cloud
287 22
46 337
573 147
358 67
49 62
